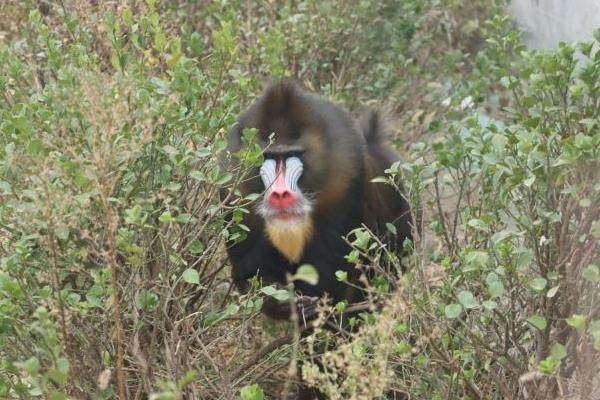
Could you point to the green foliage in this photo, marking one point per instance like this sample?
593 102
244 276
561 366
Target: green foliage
111 134
306 273
518 234
513 198
252 392
113 126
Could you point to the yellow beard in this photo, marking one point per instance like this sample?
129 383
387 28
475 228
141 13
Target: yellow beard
290 238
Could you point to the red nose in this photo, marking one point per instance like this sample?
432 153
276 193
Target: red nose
281 199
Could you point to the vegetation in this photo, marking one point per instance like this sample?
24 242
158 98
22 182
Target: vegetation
113 276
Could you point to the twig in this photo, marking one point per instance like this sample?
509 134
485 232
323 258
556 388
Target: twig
441 214
286 339
112 258
56 289
450 365
295 319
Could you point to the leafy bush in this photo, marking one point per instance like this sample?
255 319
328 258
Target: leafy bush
514 203
112 227
113 277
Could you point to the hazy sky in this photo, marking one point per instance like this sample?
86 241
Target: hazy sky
547 22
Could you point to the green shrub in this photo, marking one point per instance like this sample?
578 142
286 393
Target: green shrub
113 277
507 304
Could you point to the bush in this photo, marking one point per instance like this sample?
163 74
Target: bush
506 306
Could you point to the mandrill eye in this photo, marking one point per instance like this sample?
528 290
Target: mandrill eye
268 172
293 170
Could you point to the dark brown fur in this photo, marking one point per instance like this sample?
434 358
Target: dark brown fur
384 204
339 160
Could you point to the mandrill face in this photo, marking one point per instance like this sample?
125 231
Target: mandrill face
283 201
284 208
315 154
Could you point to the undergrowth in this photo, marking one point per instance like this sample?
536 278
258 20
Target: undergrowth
113 277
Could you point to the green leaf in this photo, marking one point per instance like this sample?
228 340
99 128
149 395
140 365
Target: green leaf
173 186
196 44
54 395
524 258
467 300
596 226
252 392
577 321
133 215
341 306
549 365
198 175
165 217
31 365
341 276
379 179
268 290
401 328
160 41
499 237
5 187
478 224
146 300
552 292
391 228
499 143
197 247
231 309
252 197
475 260
176 260
591 273
62 232
192 276
278 294
353 257
538 284
453 310
529 181
57 376
558 351
403 347
223 179
307 273
496 289
585 203
362 239
537 321
170 150
183 218
94 296
489 305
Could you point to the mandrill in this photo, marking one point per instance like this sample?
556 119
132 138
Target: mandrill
316 180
